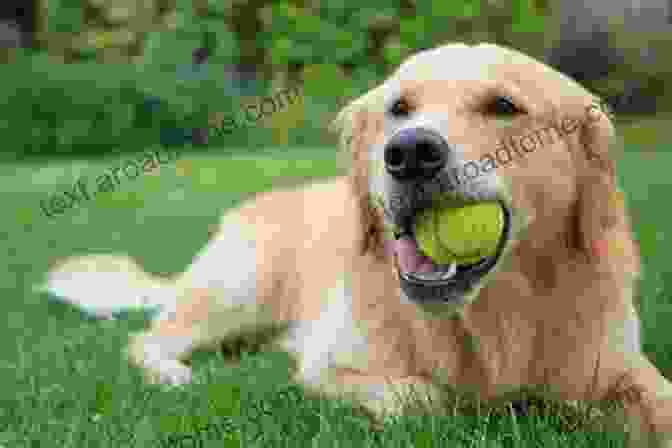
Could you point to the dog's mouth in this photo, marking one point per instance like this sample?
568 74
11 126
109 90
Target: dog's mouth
423 280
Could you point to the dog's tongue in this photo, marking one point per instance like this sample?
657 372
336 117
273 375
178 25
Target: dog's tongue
409 257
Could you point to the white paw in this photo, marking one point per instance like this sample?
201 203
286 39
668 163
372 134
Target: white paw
170 373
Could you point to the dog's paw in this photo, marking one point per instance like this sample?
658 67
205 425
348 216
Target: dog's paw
169 373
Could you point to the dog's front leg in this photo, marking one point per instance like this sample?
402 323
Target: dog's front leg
332 355
647 399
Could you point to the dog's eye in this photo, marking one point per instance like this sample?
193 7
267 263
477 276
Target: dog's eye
503 106
400 108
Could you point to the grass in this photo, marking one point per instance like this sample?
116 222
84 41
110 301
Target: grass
65 382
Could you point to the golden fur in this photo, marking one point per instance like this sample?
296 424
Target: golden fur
558 311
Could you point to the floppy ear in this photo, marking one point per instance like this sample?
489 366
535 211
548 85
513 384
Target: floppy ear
603 227
357 126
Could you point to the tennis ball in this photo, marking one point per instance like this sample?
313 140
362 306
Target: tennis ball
463 234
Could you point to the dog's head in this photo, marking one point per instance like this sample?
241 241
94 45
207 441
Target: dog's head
466 124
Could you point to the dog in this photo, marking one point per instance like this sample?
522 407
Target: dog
333 269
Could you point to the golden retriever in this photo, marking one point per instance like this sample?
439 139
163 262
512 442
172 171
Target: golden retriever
365 313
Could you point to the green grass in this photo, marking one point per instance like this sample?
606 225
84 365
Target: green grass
65 382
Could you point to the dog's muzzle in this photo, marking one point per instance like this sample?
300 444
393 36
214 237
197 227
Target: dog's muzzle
414 158
415 155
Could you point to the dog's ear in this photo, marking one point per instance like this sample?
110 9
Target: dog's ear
357 125
602 224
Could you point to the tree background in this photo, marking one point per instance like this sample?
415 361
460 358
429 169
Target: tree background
117 75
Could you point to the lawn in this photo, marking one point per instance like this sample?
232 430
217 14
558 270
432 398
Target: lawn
65 382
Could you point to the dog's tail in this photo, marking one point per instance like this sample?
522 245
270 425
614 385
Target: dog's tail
105 285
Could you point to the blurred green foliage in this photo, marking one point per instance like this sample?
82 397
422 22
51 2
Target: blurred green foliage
64 16
88 107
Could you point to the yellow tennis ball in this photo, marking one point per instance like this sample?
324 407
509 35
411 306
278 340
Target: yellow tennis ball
463 234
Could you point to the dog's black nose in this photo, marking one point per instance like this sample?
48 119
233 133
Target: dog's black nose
415 154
